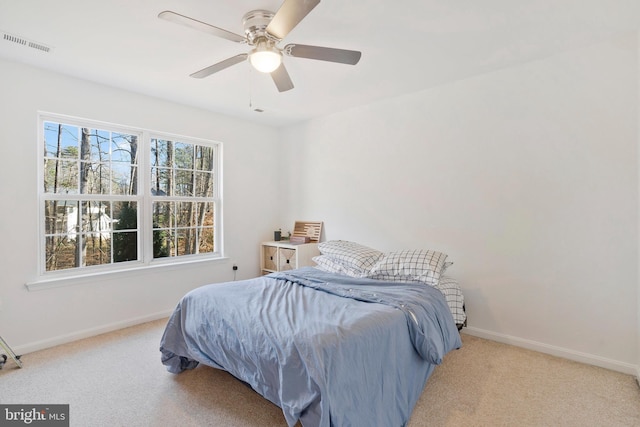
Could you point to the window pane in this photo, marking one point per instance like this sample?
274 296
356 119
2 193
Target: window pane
60 253
186 244
99 145
186 214
67 181
183 155
96 178
95 218
205 214
61 176
204 158
124 179
184 183
49 174
171 243
161 243
125 246
61 217
97 249
162 214
125 148
161 153
205 240
60 140
65 216
161 182
125 215
204 184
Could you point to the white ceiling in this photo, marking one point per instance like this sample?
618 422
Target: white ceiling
406 45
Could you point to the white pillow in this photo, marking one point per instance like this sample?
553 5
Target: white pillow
331 265
353 256
410 266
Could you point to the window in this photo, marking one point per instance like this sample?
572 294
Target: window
113 197
182 184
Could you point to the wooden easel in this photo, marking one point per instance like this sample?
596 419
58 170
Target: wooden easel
4 346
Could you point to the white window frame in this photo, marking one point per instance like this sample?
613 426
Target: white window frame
143 198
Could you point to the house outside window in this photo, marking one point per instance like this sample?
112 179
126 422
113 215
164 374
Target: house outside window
112 198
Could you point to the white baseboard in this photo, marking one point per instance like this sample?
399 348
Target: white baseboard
565 353
481 333
86 333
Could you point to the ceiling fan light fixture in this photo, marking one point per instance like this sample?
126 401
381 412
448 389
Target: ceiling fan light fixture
265 58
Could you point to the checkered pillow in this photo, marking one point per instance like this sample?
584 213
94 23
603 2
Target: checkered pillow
353 256
410 266
331 265
450 288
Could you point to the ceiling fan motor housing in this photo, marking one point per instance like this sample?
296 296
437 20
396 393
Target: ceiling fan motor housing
255 26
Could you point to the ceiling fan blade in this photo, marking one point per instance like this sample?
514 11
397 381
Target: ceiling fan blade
220 66
342 56
200 26
281 78
289 15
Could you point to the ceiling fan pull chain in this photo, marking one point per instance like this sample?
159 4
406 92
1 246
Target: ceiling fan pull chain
250 89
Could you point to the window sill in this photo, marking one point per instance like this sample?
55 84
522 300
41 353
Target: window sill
58 282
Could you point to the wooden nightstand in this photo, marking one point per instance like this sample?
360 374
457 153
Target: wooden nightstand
283 255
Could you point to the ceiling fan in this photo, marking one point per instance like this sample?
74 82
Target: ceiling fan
263 30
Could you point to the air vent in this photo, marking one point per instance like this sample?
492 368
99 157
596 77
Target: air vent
25 42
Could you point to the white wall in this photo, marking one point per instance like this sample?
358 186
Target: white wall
526 177
33 320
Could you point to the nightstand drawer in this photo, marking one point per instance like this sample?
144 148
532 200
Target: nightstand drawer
269 258
286 259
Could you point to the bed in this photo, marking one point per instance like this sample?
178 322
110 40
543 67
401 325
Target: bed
327 348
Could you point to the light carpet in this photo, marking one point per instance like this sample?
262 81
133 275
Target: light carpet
117 379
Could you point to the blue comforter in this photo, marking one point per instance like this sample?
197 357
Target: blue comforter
328 349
